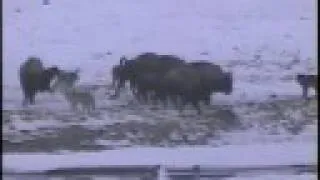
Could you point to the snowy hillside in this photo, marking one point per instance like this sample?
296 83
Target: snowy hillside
264 44
81 33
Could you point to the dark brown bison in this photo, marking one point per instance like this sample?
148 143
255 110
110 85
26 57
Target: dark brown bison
193 82
169 77
35 78
213 79
184 83
146 84
142 64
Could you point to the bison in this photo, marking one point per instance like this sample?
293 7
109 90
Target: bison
168 76
213 79
148 84
194 82
183 82
129 70
35 78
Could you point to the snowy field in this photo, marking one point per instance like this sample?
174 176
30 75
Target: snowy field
233 156
227 156
264 44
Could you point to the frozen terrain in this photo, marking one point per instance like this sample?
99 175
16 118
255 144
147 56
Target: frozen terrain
264 44
227 157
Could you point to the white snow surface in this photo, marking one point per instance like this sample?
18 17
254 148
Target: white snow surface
260 177
274 177
227 156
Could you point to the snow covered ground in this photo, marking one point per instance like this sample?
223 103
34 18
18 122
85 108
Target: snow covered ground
228 156
262 177
264 44
233 156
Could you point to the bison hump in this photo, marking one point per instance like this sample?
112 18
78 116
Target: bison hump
32 65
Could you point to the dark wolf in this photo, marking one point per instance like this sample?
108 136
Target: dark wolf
307 81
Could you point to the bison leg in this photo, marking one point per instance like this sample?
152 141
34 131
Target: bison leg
153 98
184 102
195 103
207 100
163 98
138 96
74 106
144 97
305 91
175 100
117 91
25 100
156 97
133 87
93 106
141 94
32 95
26 93
118 86
29 97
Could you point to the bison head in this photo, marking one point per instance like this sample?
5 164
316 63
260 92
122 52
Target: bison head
224 83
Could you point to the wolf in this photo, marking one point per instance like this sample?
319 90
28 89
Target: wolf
65 79
76 96
306 81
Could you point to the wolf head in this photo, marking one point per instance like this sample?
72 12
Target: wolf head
66 79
